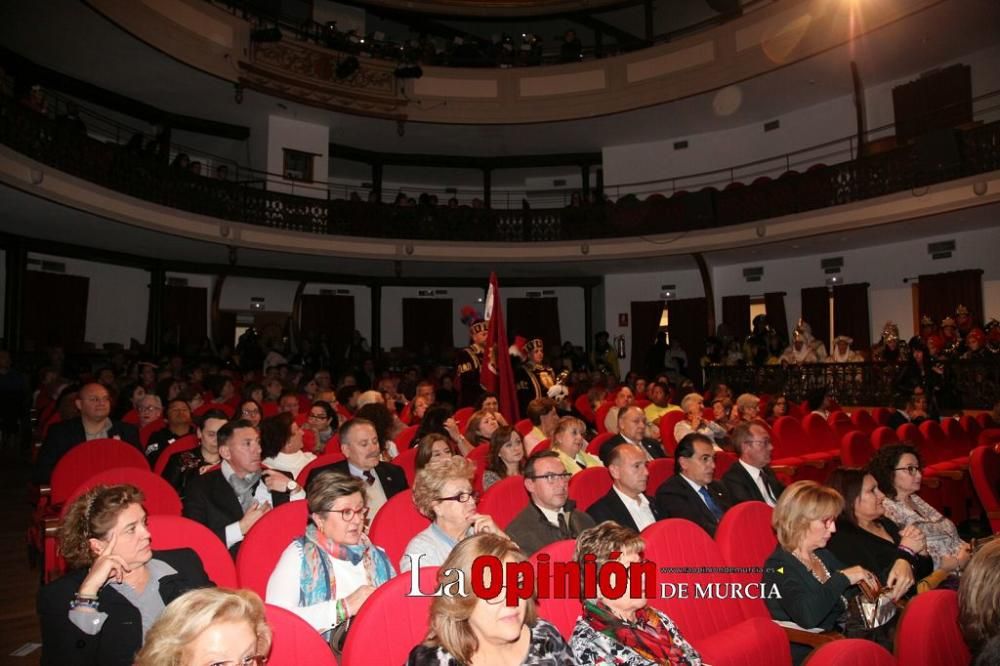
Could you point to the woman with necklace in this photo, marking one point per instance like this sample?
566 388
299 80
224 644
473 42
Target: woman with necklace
811 581
623 631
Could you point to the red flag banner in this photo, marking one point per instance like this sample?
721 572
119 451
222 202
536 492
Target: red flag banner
496 374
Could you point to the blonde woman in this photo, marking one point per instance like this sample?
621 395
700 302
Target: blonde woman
568 442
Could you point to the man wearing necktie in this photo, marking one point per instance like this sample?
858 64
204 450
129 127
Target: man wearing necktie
751 478
692 493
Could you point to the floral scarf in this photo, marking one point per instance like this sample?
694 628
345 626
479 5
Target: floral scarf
316 578
648 635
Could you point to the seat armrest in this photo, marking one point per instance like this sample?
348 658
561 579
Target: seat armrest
811 638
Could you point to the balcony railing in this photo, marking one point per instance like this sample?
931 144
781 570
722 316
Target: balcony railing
968 384
67 148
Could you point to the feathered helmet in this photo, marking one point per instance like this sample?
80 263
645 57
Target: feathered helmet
890 332
926 321
517 348
935 341
948 322
533 344
474 320
961 311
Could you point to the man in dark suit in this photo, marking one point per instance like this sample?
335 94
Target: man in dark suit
231 498
359 442
691 493
626 503
94 403
632 430
751 478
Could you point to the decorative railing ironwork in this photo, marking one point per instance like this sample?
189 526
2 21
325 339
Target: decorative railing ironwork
64 147
969 384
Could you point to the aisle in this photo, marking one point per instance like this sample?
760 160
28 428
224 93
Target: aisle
18 622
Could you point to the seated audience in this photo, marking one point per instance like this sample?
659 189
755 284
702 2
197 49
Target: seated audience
811 582
550 515
488 402
438 419
776 408
911 409
194 462
481 427
864 536
659 404
94 403
322 422
281 445
625 630
231 498
506 456
150 410
433 447
543 416
623 398
626 503
179 424
326 575
209 626
385 425
632 430
747 408
821 402
979 602
359 443
752 478
694 406
116 585
568 442
470 630
692 493
897 469
250 410
443 492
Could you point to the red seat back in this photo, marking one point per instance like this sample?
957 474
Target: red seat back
185 443
523 427
160 495
746 539
594 448
881 415
266 540
149 429
855 449
851 652
882 436
504 500
395 524
841 424
407 460
928 633
971 427
864 421
911 434
405 437
462 417
131 417
984 468
294 641
601 416
582 404
723 461
390 623
321 461
589 485
478 456
178 532
789 438
668 422
561 612
543 445
86 459
819 434
660 470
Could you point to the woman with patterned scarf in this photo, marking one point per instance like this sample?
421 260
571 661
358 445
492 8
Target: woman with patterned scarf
326 575
623 631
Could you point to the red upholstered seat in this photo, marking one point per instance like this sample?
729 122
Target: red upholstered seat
841 424
294 641
478 455
589 485
601 415
523 427
938 450
911 434
395 524
660 470
146 432
582 404
865 422
667 424
723 461
178 532
185 443
504 500
855 449
594 448
543 445
405 437
882 415
266 540
407 460
791 450
160 496
561 612
746 539
971 427
390 623
928 633
984 468
722 629
462 417
851 652
957 437
83 461
321 461
821 439
882 436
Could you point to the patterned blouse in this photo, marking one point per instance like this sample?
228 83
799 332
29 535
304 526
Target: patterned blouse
547 648
594 648
940 533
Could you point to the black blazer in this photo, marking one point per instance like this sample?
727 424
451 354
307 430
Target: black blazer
63 644
392 477
611 507
653 448
64 435
804 600
853 545
211 501
676 499
742 488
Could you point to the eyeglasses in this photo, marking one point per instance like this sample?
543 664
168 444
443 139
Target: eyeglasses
349 514
553 478
461 498
912 470
251 412
256 660
321 417
150 408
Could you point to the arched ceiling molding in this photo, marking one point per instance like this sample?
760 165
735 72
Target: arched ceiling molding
773 36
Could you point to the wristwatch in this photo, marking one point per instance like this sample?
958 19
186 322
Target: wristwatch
291 487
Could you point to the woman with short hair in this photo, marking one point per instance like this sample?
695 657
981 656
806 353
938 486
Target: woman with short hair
209 626
465 629
568 442
979 598
433 447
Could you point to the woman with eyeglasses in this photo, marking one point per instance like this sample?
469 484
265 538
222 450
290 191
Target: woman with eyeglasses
443 492
327 574
897 469
210 626
250 410
322 422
